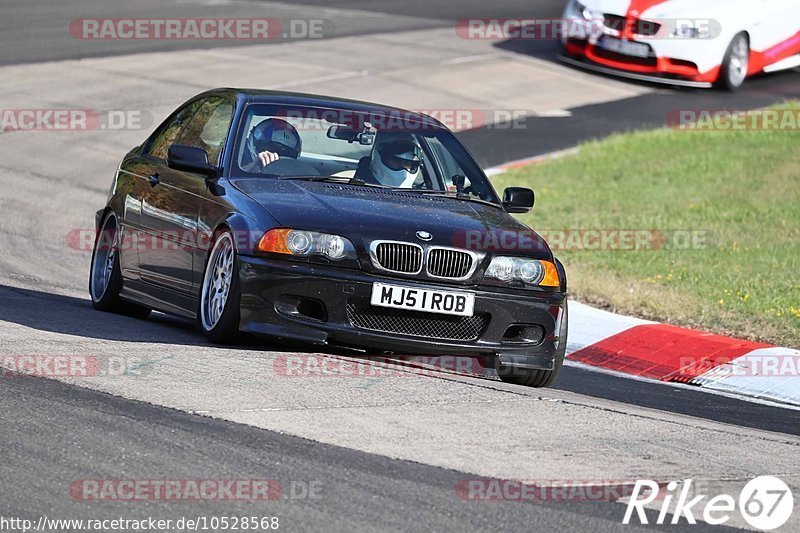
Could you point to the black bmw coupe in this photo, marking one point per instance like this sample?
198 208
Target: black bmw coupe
333 222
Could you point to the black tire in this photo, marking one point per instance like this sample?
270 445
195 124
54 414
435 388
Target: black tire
105 290
534 377
730 75
223 328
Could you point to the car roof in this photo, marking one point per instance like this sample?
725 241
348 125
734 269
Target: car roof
264 96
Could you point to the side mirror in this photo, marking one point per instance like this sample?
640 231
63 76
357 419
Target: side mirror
190 159
518 200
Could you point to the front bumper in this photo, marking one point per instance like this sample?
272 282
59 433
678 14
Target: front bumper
665 68
320 304
610 71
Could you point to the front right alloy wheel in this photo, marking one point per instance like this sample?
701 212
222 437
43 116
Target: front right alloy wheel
735 64
218 312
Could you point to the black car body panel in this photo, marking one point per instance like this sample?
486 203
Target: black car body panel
168 220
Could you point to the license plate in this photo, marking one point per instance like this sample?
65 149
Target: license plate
628 48
426 300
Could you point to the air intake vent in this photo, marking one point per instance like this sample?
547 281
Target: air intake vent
638 26
615 22
417 324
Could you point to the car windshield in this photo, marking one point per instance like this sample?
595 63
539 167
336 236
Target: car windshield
380 150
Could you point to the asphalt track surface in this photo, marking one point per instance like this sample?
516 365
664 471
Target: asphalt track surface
356 491
36 30
55 433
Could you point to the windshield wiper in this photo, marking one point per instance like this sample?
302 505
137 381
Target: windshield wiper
454 195
437 192
361 183
334 179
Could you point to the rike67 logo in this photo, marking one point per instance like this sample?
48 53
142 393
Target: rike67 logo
765 503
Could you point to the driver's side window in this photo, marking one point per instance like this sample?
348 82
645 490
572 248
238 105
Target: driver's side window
165 137
208 128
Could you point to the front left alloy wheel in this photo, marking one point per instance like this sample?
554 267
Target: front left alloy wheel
218 312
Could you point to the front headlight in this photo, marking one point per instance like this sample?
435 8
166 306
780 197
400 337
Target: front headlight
307 243
692 32
577 10
533 272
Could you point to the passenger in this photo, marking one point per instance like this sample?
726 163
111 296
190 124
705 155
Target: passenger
395 161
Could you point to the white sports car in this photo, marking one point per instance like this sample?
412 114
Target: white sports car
695 43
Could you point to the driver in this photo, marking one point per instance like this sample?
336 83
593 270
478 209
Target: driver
268 141
395 161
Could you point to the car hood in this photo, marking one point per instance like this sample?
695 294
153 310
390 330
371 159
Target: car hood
363 214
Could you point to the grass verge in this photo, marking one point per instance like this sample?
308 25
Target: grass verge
736 193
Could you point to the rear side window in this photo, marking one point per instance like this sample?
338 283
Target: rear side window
165 137
208 128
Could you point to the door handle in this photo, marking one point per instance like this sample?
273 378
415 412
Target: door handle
154 180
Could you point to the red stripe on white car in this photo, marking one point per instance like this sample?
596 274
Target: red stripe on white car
635 11
783 50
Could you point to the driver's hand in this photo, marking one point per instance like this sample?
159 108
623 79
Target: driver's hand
267 157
